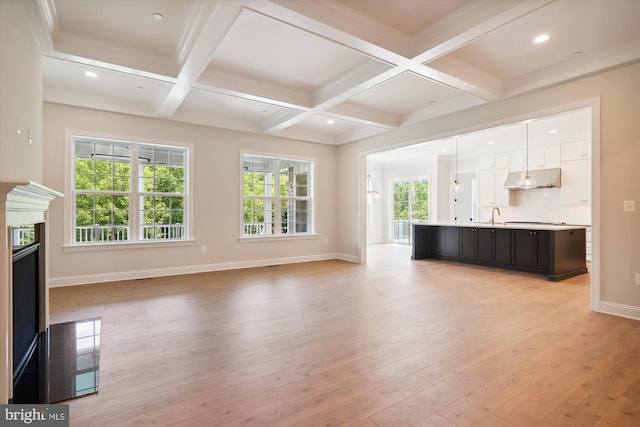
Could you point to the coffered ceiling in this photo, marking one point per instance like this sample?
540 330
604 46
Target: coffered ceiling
328 71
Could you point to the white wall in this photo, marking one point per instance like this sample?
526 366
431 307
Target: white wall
20 96
217 201
616 144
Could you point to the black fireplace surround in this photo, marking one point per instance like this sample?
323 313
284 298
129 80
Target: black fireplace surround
58 363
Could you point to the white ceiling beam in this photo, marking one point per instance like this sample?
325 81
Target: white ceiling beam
478 22
200 47
364 115
112 56
196 22
363 75
94 101
325 31
470 23
361 133
238 85
352 22
461 28
221 15
109 66
215 120
583 64
335 93
277 124
456 73
282 120
441 108
306 135
488 91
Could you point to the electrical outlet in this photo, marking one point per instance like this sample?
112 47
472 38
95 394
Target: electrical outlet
203 249
637 279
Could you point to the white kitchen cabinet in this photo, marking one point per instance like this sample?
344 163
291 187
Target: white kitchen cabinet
576 150
576 182
491 190
544 157
539 158
493 161
516 161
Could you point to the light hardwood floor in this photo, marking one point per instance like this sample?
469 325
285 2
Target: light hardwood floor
392 343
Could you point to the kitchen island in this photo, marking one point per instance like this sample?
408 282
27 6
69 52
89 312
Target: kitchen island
558 251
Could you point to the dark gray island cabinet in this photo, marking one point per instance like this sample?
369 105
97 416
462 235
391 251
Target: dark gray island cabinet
558 251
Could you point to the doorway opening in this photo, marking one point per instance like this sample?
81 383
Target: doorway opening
410 203
566 137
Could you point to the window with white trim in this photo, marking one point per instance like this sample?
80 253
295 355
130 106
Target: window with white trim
128 192
277 196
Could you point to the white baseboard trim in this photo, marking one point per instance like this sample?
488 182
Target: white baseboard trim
622 310
57 282
348 258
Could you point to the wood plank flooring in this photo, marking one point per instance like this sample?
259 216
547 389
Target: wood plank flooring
392 343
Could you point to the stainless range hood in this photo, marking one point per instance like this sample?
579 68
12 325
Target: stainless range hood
546 178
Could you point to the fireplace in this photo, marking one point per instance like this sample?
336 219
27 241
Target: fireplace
27 313
23 291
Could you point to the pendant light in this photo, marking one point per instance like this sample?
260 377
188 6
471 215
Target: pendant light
456 186
527 181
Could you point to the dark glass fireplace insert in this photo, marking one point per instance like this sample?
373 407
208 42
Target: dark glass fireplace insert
26 325
58 363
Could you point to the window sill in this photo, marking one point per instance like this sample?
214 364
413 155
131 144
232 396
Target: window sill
128 245
255 239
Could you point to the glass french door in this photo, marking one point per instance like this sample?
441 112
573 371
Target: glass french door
410 203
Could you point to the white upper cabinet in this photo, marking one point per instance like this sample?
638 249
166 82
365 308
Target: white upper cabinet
539 158
493 161
576 150
491 190
544 157
576 182
516 161
576 173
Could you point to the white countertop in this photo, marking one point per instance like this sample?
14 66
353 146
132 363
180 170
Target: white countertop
509 225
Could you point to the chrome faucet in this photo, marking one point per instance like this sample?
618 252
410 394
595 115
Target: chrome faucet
493 211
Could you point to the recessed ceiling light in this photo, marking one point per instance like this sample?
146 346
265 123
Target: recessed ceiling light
157 16
541 38
91 74
491 142
329 122
553 131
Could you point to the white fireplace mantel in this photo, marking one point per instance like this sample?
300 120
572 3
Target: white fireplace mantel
25 201
22 202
